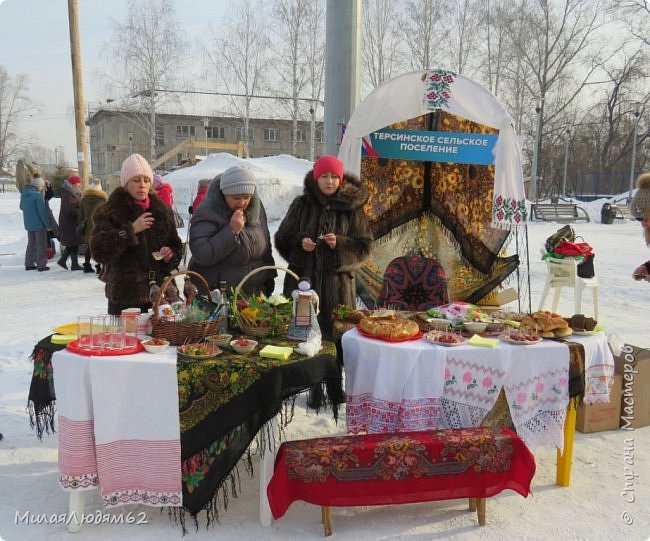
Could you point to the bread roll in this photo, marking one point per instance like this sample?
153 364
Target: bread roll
562 333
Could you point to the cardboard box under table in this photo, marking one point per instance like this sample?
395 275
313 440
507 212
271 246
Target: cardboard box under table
601 416
633 363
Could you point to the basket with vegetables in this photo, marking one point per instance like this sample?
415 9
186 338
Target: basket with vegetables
259 315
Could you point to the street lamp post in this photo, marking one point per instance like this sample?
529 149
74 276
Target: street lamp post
566 160
533 173
636 125
206 123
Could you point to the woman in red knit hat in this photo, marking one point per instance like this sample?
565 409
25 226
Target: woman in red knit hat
326 237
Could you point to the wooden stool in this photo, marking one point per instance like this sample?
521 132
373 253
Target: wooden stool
395 468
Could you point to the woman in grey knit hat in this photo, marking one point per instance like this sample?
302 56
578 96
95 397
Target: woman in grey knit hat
640 208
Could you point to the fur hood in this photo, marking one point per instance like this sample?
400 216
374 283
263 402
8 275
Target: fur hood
351 196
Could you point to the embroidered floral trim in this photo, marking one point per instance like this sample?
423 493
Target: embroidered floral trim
156 499
512 211
438 88
79 482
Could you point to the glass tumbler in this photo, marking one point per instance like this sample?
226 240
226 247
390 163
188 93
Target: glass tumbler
84 332
115 333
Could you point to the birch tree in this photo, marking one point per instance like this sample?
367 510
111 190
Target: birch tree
380 49
148 48
14 101
291 61
240 57
423 32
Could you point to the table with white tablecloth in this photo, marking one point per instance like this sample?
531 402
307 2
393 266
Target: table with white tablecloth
415 385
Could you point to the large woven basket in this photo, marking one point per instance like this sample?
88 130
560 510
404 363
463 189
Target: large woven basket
178 333
244 325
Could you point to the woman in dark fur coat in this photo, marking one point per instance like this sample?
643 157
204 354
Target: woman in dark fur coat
325 236
132 225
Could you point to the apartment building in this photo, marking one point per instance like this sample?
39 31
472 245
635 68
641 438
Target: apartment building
179 138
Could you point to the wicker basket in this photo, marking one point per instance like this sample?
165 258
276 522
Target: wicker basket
245 325
178 333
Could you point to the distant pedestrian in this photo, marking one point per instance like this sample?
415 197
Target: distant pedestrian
91 198
68 222
202 190
36 222
164 190
640 208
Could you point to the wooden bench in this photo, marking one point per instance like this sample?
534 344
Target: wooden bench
395 468
558 212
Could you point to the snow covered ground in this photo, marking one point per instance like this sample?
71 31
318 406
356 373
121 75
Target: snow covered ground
592 508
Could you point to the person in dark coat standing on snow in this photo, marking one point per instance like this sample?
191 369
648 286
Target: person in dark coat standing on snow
68 222
326 237
91 198
640 207
134 238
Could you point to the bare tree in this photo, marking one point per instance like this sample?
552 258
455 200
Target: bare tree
291 62
14 101
423 31
380 48
315 53
466 19
637 14
555 51
240 57
149 49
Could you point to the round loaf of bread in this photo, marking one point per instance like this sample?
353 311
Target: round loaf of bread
563 333
389 328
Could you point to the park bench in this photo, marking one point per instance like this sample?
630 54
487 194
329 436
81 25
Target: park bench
558 212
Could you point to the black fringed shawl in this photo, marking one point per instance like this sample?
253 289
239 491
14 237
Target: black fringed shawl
41 398
224 404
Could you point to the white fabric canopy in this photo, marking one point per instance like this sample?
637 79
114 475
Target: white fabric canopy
417 93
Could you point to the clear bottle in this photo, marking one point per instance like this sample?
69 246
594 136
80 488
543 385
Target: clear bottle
154 290
225 310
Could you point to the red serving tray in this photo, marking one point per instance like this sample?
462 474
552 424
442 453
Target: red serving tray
416 337
74 347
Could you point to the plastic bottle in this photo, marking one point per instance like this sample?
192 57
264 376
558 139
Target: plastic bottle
225 310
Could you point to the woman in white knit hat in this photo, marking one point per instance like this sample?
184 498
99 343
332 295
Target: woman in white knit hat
640 208
134 238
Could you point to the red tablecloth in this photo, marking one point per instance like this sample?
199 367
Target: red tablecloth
380 469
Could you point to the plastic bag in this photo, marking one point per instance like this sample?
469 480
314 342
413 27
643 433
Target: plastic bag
564 233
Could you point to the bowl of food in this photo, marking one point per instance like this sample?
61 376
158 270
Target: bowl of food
475 326
243 345
155 345
222 340
438 323
495 325
199 350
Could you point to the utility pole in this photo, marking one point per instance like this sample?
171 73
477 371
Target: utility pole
77 85
342 64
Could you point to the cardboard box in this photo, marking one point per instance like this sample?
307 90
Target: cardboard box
599 417
633 364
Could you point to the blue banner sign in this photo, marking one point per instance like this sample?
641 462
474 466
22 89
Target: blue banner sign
433 146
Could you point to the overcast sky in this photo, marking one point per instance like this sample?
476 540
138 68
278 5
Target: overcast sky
35 40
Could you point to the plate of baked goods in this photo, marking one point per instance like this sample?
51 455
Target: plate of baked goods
581 332
389 328
442 338
520 338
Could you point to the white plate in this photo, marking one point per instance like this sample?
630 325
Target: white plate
519 342
431 337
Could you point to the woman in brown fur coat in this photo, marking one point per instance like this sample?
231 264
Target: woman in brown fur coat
132 225
326 237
